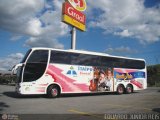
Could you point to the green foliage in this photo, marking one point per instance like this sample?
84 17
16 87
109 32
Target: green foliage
153 74
6 79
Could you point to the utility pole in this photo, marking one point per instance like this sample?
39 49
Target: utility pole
73 41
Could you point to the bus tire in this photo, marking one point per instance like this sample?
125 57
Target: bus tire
129 89
120 89
53 91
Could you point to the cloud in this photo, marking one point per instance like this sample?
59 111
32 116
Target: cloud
52 30
9 61
124 33
39 21
127 18
19 16
120 50
42 41
16 37
34 28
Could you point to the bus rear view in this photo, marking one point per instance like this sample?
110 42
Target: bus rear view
54 72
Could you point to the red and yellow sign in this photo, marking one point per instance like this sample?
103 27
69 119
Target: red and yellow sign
79 5
71 12
73 17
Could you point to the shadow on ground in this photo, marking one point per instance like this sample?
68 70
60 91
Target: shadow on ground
156 110
9 84
13 94
3 105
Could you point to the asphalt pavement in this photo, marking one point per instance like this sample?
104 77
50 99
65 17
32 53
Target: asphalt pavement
145 103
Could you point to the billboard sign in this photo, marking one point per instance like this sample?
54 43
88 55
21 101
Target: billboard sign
79 5
72 16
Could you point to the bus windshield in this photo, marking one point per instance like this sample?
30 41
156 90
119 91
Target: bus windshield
35 65
26 55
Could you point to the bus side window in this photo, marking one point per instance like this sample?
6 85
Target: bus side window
60 57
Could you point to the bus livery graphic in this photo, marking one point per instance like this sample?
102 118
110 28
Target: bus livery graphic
132 75
64 81
71 71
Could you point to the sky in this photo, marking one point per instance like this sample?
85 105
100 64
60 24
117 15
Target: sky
128 28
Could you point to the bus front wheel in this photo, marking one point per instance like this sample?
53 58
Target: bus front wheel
53 91
120 89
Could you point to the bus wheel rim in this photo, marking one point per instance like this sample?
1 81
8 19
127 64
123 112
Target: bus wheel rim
120 90
129 89
54 92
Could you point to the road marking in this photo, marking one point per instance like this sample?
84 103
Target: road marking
127 106
85 113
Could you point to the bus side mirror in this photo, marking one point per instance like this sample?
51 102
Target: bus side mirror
15 67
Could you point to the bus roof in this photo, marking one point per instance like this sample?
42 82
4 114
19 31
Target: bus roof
85 52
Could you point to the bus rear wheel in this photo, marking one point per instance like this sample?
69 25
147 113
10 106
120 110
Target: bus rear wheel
53 91
120 89
129 89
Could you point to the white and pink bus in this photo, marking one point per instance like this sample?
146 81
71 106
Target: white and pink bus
54 72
